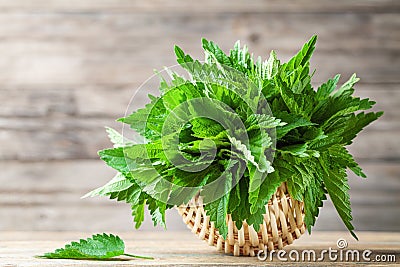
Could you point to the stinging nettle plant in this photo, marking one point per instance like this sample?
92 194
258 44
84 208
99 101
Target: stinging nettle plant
289 133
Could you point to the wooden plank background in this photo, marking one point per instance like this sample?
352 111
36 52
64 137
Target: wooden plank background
68 68
19 249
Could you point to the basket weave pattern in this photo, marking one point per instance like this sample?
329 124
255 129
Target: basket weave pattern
283 223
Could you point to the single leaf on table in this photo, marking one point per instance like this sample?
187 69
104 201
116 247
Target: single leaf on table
98 247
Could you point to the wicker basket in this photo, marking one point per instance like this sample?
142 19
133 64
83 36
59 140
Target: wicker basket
283 223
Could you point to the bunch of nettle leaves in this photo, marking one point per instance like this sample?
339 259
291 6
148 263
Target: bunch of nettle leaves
249 124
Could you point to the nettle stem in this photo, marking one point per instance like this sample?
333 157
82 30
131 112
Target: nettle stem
137 256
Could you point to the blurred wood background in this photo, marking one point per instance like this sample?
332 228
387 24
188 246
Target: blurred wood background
68 68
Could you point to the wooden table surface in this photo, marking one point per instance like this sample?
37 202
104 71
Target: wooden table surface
182 248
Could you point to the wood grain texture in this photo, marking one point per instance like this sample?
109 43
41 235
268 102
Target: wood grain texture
68 68
111 101
176 6
37 64
46 196
18 249
132 31
68 48
81 138
63 123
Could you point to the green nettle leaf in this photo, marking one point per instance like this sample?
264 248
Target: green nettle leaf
314 196
327 88
345 159
214 53
138 213
205 128
218 209
272 67
262 121
237 129
292 121
117 139
347 87
115 158
98 247
335 180
267 188
117 184
157 212
302 57
181 57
